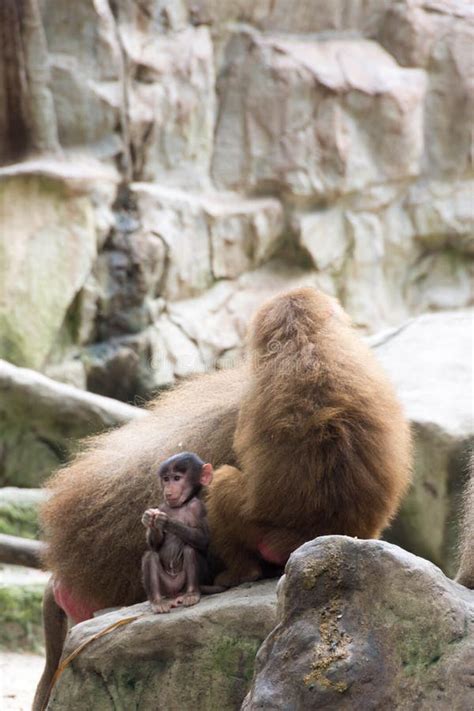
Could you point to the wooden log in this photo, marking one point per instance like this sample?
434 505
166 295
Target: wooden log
21 551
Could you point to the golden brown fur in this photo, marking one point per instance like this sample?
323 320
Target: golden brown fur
92 521
321 440
465 574
322 445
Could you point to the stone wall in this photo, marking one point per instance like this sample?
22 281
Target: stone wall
167 165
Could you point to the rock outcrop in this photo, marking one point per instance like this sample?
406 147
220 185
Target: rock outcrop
158 153
200 657
365 625
429 360
41 419
359 624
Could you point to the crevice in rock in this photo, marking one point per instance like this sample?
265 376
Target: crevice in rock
28 113
55 448
160 286
190 338
126 166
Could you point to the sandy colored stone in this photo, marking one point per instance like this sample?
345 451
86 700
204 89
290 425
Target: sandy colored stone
201 657
429 360
41 419
46 254
316 119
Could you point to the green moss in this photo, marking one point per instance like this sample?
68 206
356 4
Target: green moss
20 623
419 644
235 657
418 650
19 511
27 458
18 520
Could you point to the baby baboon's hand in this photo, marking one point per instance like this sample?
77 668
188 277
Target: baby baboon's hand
160 519
148 517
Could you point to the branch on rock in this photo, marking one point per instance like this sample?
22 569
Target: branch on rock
55 407
21 551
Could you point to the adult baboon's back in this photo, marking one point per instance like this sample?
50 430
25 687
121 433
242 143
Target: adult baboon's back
322 441
92 520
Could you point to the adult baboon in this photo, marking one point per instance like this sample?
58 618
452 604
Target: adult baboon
465 574
311 421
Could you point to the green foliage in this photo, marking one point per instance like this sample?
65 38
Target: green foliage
21 626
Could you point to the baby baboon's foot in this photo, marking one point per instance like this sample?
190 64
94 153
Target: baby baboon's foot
191 598
177 601
161 606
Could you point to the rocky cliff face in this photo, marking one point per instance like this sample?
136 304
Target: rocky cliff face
358 625
167 165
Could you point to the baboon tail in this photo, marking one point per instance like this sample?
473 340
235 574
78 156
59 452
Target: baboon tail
55 629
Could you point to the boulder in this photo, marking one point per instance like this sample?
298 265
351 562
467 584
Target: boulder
429 360
86 69
207 236
40 420
438 35
200 657
316 119
170 101
46 251
366 625
371 243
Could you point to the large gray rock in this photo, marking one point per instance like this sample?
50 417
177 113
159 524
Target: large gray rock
47 249
344 129
207 236
291 117
429 360
46 254
200 657
372 242
41 419
171 102
365 625
86 74
438 35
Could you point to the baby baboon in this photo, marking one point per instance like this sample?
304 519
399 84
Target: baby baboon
175 564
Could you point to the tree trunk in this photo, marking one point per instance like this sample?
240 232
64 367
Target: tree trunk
21 551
